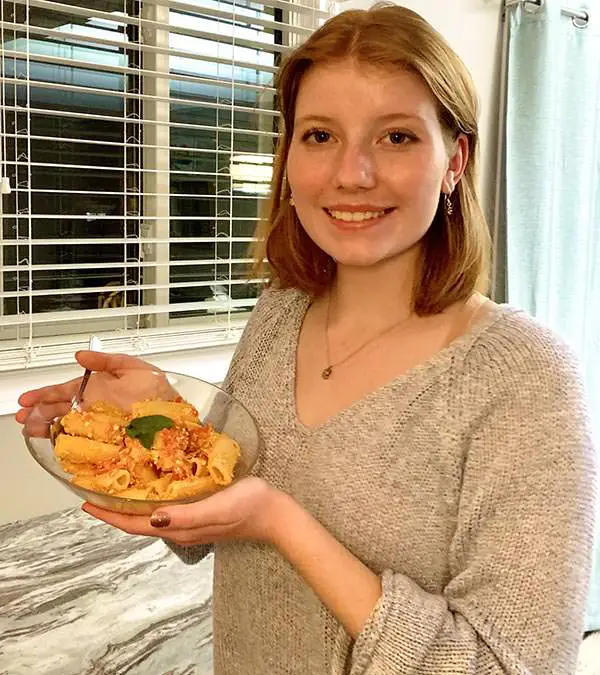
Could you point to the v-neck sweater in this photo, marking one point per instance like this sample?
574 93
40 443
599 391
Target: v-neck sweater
467 484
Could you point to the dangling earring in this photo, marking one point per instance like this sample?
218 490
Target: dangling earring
292 202
449 207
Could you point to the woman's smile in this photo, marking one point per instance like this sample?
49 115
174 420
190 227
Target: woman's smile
352 218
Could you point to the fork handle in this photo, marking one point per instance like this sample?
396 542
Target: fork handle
84 381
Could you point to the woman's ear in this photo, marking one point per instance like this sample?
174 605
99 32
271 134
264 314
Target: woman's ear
456 163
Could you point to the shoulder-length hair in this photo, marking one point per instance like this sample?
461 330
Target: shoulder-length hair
454 258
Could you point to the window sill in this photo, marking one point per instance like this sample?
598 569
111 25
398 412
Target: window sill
210 364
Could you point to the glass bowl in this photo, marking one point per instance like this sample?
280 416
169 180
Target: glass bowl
222 411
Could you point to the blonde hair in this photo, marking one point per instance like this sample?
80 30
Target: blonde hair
455 250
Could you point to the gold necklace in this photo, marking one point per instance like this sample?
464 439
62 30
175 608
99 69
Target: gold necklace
327 372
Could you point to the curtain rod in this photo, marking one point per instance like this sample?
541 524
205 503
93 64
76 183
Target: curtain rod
580 17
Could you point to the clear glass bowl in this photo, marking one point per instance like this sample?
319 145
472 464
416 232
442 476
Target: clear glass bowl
214 405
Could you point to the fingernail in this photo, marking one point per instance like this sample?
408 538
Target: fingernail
160 519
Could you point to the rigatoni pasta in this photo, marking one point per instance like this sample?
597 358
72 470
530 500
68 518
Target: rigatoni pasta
179 412
78 450
222 460
160 451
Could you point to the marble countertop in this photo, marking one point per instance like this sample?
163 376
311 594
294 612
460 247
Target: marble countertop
78 597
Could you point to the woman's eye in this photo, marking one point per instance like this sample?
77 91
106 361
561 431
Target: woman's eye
398 137
317 136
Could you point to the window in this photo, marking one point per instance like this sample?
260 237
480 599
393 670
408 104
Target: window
137 146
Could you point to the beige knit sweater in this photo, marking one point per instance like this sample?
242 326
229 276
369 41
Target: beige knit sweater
466 483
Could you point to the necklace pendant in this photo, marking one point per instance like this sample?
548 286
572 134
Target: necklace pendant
326 373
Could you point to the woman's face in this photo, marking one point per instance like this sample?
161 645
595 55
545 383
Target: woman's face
368 161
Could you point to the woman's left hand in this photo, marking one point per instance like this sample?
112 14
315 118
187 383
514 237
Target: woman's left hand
244 510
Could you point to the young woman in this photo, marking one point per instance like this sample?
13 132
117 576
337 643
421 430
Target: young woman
424 501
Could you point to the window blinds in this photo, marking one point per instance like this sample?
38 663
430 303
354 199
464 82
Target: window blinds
136 153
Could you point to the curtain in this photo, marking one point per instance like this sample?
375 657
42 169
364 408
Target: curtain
552 185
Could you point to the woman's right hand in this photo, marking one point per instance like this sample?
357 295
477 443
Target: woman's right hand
116 378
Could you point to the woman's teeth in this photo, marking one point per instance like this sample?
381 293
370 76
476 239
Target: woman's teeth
355 216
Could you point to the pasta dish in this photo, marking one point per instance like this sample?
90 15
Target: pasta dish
159 451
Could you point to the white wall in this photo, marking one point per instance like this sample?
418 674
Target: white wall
473 29
26 490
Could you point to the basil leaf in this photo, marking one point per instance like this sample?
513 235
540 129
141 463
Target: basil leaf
144 428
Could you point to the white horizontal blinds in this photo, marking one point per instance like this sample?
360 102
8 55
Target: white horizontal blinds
137 146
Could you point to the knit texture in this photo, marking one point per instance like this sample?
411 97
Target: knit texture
468 484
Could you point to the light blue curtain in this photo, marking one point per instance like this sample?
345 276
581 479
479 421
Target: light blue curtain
552 188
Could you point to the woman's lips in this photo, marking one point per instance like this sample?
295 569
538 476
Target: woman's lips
357 219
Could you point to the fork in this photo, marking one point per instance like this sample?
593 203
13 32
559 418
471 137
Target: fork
56 428
95 345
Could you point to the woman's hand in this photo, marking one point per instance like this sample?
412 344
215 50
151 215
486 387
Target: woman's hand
245 510
117 379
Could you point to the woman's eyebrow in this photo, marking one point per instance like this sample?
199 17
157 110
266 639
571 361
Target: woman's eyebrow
390 117
410 117
321 119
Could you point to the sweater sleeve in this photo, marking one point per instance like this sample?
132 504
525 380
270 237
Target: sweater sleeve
194 554
520 556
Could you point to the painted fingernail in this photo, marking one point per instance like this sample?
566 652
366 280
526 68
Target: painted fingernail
160 519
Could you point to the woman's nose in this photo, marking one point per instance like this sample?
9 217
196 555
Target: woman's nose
355 169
